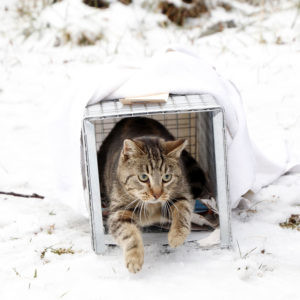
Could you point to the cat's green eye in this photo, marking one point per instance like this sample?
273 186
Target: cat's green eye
167 177
143 177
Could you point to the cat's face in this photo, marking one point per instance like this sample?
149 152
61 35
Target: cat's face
149 168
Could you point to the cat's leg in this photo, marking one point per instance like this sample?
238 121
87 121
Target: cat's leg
123 228
181 213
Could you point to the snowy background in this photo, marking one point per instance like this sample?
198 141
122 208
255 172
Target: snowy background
49 52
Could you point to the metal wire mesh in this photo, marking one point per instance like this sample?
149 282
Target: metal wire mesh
180 125
175 104
178 115
205 147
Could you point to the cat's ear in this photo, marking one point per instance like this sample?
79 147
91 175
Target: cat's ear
174 148
132 148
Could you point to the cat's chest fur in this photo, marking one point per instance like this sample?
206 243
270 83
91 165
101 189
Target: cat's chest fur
153 214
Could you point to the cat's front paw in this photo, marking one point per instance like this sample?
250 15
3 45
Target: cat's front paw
134 260
176 237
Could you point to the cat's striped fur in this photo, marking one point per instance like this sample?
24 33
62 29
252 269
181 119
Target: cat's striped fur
147 177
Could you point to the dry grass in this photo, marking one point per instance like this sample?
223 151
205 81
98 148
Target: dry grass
60 251
65 36
31 8
29 11
178 14
293 222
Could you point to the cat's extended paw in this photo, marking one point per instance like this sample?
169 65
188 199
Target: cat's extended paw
134 261
176 237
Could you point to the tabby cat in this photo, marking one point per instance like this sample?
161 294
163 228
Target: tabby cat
147 177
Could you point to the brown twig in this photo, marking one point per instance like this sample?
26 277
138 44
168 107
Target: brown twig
34 195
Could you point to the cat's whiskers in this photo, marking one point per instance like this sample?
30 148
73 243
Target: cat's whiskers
145 211
164 214
128 206
165 209
140 213
136 206
131 203
168 209
174 206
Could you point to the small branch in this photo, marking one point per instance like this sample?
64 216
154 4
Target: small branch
239 249
34 195
249 252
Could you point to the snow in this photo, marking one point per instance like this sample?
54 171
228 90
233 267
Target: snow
40 69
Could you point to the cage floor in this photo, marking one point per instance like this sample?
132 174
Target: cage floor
160 238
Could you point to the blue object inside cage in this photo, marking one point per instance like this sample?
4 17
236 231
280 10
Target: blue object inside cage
200 207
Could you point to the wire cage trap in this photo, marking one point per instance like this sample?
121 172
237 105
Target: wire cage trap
196 118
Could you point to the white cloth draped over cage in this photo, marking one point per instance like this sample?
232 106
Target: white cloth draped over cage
173 70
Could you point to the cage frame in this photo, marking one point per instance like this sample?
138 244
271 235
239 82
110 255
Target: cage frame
90 165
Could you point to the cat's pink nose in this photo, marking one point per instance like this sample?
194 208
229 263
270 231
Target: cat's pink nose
157 193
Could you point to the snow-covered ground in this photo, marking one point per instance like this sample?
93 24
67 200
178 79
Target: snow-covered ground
41 64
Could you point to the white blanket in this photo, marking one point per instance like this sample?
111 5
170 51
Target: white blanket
180 71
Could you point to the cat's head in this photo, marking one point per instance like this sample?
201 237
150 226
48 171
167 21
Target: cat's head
150 168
